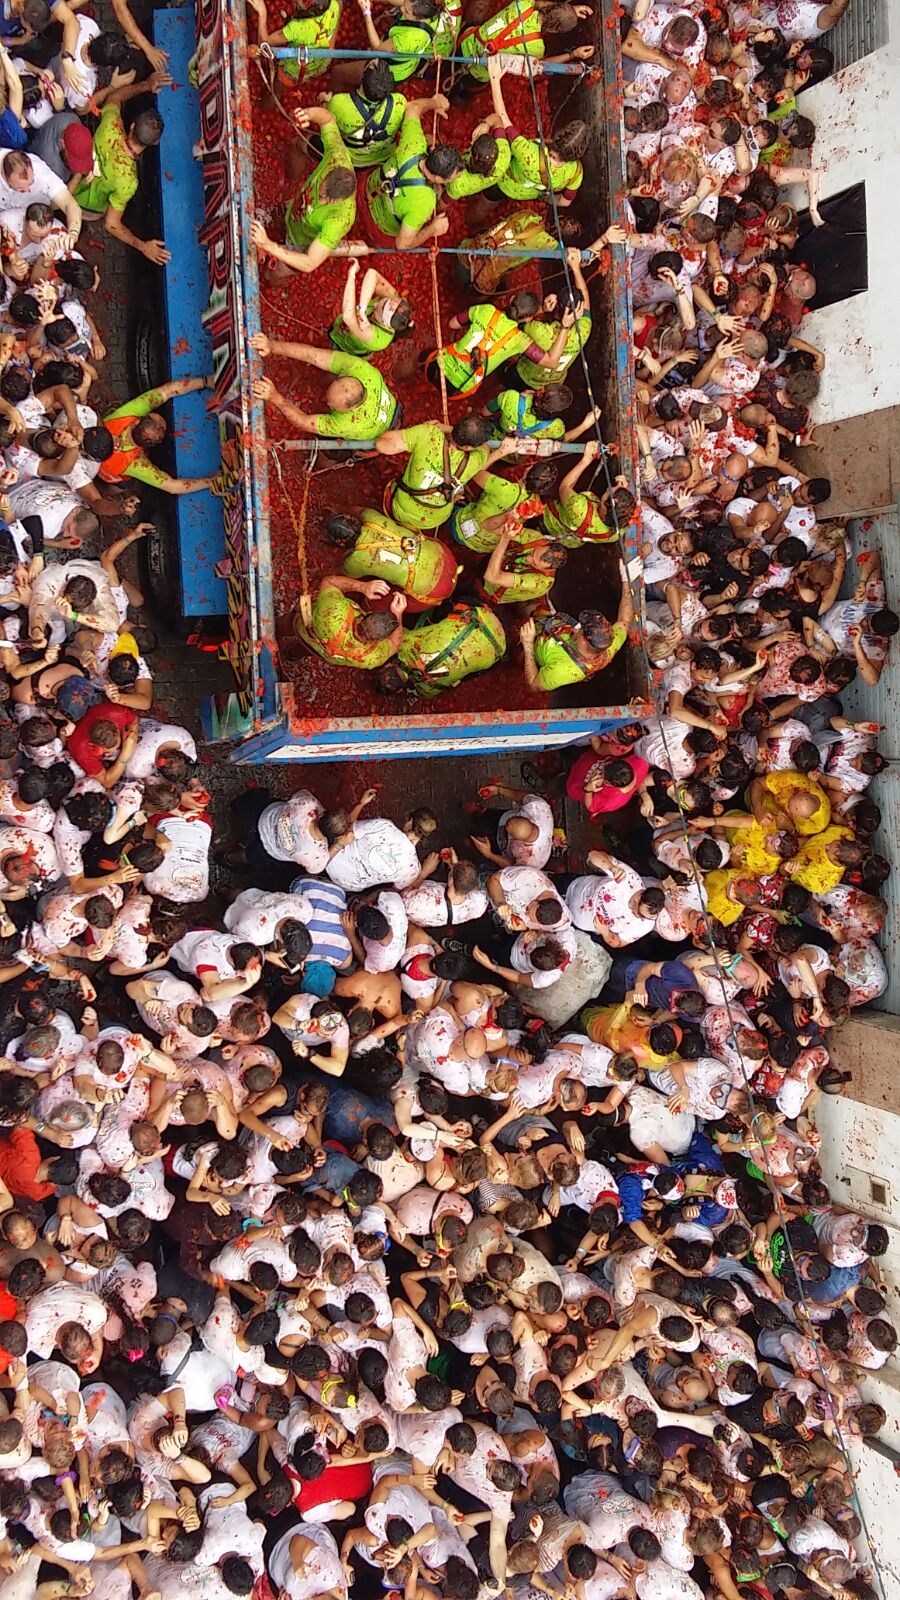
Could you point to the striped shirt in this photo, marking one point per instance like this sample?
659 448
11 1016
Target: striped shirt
328 902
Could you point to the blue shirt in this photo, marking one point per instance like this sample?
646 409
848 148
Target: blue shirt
329 902
674 979
633 1186
839 1282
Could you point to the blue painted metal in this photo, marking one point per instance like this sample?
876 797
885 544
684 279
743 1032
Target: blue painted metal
305 740
201 539
257 473
304 53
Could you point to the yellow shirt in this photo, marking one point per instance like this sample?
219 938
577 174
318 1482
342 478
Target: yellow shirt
748 850
718 901
815 872
781 785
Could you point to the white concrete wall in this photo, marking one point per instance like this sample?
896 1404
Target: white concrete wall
859 1141
857 117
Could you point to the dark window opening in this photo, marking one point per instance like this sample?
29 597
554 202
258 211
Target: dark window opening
836 254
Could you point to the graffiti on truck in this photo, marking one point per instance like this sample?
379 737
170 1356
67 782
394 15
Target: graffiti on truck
222 320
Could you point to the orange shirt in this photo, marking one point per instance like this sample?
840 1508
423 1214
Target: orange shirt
19 1161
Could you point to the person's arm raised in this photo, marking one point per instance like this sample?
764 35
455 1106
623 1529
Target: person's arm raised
265 391
157 58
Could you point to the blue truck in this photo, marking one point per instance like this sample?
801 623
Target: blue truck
218 568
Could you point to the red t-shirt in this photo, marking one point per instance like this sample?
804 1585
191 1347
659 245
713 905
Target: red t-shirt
609 798
19 1161
9 1312
91 757
350 1480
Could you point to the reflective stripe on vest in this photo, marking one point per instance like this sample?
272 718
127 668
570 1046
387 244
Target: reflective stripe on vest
479 370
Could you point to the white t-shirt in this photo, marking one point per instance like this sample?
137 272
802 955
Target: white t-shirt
63 1302
45 186
537 853
201 1376
591 897
183 873
255 914
79 99
152 735
521 886
659 1581
204 951
321 1571
285 831
430 906
378 853
385 957
520 957
38 848
663 745
228 1530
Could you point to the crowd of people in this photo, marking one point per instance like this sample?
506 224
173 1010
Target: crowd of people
386 1225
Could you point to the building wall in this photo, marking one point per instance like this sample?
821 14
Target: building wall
857 117
861 1144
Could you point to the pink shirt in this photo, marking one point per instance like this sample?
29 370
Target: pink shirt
608 798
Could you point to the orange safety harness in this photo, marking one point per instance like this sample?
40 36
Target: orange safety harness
512 34
477 357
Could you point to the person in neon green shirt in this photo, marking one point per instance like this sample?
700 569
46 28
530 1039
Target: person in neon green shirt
524 414
362 406
564 651
441 462
424 28
488 338
575 323
424 569
518 30
373 313
480 524
403 197
136 427
323 209
578 516
484 163
341 632
535 171
114 182
369 117
529 574
316 27
439 655
521 230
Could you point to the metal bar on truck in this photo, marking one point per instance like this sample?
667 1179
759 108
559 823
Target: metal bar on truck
512 64
546 447
460 250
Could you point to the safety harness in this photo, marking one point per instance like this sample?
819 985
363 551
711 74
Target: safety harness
376 119
477 358
391 185
511 35
423 672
